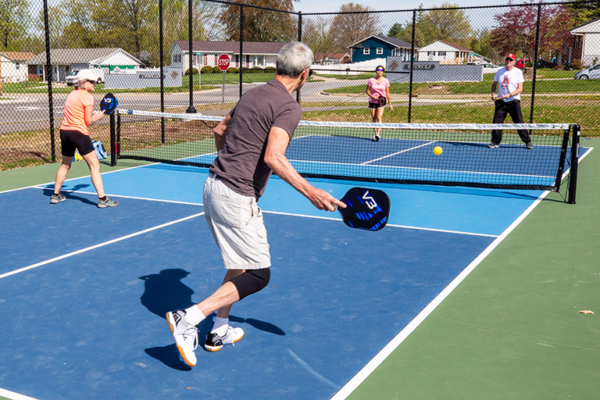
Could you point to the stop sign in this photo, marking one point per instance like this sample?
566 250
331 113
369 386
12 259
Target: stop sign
223 62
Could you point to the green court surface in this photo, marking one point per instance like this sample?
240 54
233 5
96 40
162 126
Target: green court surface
512 329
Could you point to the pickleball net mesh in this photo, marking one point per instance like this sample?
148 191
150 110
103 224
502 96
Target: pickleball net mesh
342 150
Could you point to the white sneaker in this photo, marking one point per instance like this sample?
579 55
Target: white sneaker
185 334
215 342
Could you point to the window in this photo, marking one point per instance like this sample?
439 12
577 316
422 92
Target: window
366 51
379 50
431 53
17 65
259 61
442 53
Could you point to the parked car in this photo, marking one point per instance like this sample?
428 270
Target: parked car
589 73
522 63
490 68
70 80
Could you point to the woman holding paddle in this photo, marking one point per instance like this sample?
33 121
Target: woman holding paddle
378 89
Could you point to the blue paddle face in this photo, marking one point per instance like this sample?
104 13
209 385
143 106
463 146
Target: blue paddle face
109 104
365 209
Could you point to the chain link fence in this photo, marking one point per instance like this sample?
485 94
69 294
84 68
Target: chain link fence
440 62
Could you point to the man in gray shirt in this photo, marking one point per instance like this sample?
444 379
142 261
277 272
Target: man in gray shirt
251 143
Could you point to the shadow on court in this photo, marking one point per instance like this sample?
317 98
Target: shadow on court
165 292
72 195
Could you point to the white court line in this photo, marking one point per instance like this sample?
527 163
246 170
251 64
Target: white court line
14 396
17 271
399 152
404 333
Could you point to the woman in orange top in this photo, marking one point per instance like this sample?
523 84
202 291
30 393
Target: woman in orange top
74 134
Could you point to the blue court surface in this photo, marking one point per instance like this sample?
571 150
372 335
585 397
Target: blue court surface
84 291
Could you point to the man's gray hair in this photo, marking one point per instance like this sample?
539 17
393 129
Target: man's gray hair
294 58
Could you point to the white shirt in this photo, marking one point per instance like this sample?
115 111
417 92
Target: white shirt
508 82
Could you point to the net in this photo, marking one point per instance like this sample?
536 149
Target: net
343 150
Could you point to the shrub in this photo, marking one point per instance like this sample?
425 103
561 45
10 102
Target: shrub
194 71
576 64
256 70
232 70
207 69
217 70
270 70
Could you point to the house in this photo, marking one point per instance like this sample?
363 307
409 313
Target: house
446 53
332 58
14 66
256 54
587 43
66 61
379 46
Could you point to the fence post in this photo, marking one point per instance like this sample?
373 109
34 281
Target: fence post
299 39
412 62
241 45
113 141
191 109
162 76
537 41
49 77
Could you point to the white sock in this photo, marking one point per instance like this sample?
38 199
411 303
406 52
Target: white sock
220 327
193 315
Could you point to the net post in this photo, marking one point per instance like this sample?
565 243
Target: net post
574 163
113 141
118 142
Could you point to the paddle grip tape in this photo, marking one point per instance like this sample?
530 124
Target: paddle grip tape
251 281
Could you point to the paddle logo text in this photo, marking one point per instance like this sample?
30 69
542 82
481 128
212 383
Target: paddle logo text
370 201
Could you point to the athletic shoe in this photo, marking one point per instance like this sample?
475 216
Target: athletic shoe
529 145
375 138
107 203
57 198
185 334
493 146
215 342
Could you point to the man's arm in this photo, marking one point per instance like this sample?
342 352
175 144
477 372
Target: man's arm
494 85
276 160
220 132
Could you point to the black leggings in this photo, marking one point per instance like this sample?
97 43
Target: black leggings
513 108
251 281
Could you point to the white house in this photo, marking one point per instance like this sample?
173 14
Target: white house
256 54
66 61
587 39
445 52
14 66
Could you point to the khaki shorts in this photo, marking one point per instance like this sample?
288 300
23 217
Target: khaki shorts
236 223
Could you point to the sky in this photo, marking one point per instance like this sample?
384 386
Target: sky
307 6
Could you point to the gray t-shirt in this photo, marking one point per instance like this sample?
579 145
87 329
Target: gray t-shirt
240 163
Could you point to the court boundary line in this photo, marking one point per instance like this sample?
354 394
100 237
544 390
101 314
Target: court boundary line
96 246
14 396
384 353
399 152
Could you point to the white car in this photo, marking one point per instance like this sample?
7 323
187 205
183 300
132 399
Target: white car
490 68
589 73
71 79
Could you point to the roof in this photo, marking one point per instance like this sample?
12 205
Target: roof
388 39
231 47
75 56
456 46
18 55
331 56
449 44
589 25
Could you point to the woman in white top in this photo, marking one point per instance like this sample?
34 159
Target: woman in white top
378 89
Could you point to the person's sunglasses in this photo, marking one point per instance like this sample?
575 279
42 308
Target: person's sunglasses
509 59
379 69
310 72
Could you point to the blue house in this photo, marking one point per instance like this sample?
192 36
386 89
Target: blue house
379 46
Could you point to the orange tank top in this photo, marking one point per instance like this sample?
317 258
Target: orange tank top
74 118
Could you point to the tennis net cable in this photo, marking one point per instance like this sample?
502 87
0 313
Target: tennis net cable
345 150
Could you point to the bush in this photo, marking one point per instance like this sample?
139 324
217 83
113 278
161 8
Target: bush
270 70
207 69
256 70
217 70
194 71
232 70
576 64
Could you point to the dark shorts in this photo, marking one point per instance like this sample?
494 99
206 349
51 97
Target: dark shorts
376 105
72 140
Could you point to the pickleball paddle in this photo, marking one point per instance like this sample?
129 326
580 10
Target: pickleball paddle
367 209
109 104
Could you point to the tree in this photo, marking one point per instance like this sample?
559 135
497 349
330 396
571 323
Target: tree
347 29
406 34
446 23
315 33
261 25
584 11
14 22
395 30
515 30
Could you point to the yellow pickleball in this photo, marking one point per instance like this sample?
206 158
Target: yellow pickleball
437 150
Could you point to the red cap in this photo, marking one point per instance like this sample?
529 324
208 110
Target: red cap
511 56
